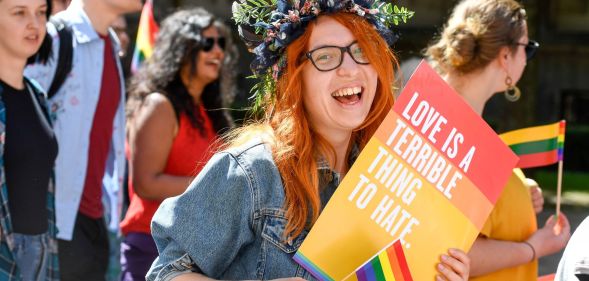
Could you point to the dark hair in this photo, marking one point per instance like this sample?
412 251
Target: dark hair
42 55
475 33
177 44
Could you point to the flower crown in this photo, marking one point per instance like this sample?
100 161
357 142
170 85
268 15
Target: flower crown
268 26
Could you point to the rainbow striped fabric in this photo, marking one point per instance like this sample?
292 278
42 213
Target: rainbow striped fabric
389 265
146 33
537 146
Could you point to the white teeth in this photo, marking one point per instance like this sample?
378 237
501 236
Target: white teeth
347 91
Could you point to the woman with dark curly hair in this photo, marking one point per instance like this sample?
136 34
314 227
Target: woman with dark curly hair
177 108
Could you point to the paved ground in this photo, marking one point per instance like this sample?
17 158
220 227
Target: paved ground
576 208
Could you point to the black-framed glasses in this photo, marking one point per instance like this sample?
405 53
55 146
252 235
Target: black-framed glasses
328 58
530 48
209 42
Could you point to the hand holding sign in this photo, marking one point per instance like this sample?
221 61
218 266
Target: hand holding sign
424 178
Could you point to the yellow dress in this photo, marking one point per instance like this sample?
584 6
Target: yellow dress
512 219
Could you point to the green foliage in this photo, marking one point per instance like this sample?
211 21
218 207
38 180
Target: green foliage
246 10
265 85
391 14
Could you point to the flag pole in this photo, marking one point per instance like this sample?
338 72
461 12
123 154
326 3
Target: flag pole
561 136
558 189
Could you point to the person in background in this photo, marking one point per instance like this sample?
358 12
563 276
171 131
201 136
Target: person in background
90 128
327 86
119 26
177 107
483 50
28 148
574 264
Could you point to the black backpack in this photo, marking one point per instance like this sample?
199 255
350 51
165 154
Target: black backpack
65 57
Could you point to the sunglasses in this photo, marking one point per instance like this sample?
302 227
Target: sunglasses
530 48
209 43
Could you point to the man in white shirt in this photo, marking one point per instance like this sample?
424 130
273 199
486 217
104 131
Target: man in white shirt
89 122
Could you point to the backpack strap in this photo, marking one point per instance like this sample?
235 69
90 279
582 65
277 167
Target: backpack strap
65 58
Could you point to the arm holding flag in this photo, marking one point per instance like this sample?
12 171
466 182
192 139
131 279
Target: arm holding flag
491 255
536 146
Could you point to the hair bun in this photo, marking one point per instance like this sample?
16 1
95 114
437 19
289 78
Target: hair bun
462 45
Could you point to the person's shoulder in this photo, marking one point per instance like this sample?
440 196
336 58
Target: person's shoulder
254 151
157 103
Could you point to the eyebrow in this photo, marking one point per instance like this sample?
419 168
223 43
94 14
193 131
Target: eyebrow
24 7
332 45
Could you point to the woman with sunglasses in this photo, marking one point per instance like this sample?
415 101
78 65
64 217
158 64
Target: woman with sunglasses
483 50
176 110
326 70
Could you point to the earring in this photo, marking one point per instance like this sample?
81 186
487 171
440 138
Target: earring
512 93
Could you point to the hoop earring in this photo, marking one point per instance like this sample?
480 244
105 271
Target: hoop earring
512 93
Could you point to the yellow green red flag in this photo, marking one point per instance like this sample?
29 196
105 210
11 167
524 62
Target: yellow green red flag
537 146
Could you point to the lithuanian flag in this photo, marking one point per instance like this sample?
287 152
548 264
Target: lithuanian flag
537 146
146 33
388 265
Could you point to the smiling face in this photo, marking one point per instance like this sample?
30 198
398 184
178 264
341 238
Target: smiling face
339 100
210 62
22 25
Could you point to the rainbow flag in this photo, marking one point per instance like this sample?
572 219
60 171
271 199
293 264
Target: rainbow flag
388 265
146 33
537 146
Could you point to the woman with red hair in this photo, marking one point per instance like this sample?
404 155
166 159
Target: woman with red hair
327 74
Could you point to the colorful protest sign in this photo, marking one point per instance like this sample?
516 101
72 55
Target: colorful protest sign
429 177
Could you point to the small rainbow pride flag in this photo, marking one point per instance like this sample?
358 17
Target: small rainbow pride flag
388 265
537 146
146 33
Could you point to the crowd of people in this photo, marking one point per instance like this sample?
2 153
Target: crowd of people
71 129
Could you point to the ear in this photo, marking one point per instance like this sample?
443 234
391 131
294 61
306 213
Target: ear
504 58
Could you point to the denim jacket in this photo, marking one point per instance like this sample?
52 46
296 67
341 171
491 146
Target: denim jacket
229 223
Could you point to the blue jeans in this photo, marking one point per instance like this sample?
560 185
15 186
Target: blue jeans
31 255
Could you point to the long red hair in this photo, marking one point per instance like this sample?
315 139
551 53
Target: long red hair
296 147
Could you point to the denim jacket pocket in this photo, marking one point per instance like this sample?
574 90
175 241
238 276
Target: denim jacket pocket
273 231
277 251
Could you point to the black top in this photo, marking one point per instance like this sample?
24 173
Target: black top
29 156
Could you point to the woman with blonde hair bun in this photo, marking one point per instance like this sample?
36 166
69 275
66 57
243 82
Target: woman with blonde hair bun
482 50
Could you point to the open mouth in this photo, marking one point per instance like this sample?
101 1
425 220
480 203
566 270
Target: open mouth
349 95
213 62
32 37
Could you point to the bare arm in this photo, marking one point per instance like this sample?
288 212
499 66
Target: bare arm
152 134
490 255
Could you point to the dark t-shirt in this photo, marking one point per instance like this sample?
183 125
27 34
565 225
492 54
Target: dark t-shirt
29 156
